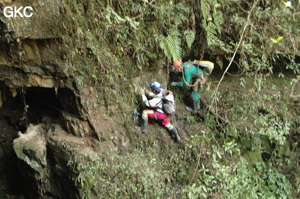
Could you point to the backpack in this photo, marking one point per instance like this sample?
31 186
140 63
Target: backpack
169 106
207 66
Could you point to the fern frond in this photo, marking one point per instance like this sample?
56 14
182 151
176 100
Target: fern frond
170 44
172 47
189 37
164 46
211 35
177 49
218 20
177 20
205 8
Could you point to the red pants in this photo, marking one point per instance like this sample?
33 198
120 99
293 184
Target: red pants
164 118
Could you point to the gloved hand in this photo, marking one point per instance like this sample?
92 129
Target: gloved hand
202 79
174 84
144 98
151 94
141 91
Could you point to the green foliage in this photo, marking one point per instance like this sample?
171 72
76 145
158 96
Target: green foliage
109 42
172 43
87 178
212 24
8 38
172 46
132 175
274 129
259 50
238 180
211 163
261 123
137 33
191 119
265 121
189 37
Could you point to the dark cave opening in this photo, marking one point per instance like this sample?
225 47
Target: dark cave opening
43 105
33 105
20 107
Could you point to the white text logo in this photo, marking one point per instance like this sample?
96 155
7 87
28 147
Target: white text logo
18 12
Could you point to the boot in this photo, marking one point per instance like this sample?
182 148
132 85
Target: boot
174 133
136 115
195 108
143 127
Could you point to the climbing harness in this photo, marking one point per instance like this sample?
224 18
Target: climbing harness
207 69
190 85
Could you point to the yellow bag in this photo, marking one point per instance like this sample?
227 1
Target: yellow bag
207 66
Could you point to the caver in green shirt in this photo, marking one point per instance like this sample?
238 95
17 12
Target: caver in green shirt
189 71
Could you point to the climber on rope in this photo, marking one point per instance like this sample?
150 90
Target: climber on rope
196 70
156 102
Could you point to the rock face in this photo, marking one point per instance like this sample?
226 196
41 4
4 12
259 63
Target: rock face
41 101
45 153
31 148
45 22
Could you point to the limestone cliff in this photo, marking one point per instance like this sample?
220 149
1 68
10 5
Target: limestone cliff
42 100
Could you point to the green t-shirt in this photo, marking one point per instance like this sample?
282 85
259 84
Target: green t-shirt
189 73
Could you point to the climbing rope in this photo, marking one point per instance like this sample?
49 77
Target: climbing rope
190 85
238 45
293 87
